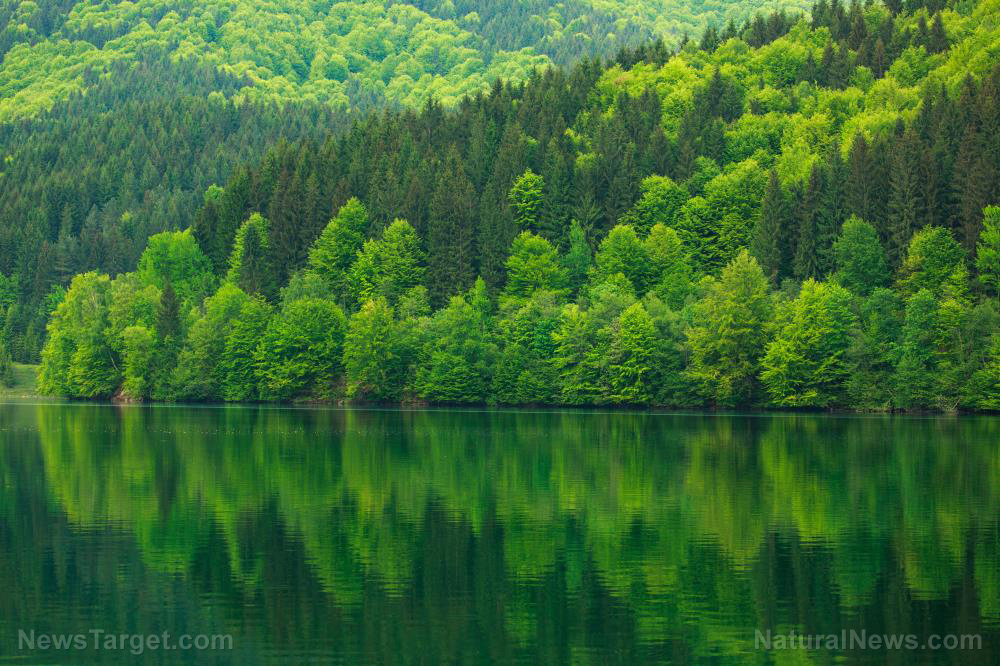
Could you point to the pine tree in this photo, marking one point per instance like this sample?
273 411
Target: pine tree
250 266
450 233
769 230
806 262
903 199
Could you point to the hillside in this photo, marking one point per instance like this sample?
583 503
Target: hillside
343 54
799 215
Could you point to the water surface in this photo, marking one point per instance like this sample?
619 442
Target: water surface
353 536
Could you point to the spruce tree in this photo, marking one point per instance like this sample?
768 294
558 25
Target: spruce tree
450 232
769 230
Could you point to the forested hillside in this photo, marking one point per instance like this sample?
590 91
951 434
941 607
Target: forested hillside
116 117
343 54
795 215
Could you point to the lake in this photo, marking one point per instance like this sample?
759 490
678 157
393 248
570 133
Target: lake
367 536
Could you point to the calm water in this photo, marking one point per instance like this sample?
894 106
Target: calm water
447 536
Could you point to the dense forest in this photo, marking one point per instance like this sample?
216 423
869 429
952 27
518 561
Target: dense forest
340 53
120 139
794 213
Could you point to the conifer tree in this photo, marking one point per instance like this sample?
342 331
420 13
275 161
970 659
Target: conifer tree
449 236
769 230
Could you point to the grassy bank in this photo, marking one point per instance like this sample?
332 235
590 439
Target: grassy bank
25 383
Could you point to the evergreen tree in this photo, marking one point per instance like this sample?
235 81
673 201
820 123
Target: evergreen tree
903 198
449 237
578 257
769 230
250 266
873 354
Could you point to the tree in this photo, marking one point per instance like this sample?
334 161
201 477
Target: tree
932 259
988 250
389 266
805 364
729 337
250 267
631 359
660 203
915 374
533 264
138 346
375 354
622 252
334 251
6 367
769 229
459 356
526 197
199 374
859 260
173 257
300 353
449 234
524 373
77 360
238 365
873 355
578 357
578 257
670 275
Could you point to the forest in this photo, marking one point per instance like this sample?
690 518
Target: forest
800 212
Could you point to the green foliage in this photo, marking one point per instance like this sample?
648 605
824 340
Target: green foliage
174 258
623 252
138 344
334 251
806 362
632 356
526 200
671 277
578 257
860 261
932 260
459 356
299 356
377 353
77 360
988 250
6 368
250 266
660 203
388 267
915 384
238 363
533 264
874 353
200 370
730 335
672 165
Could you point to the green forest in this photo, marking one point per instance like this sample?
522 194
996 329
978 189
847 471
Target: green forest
798 212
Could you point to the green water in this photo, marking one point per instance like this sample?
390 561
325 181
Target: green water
432 537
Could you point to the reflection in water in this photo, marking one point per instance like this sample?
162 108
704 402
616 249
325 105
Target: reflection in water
451 536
